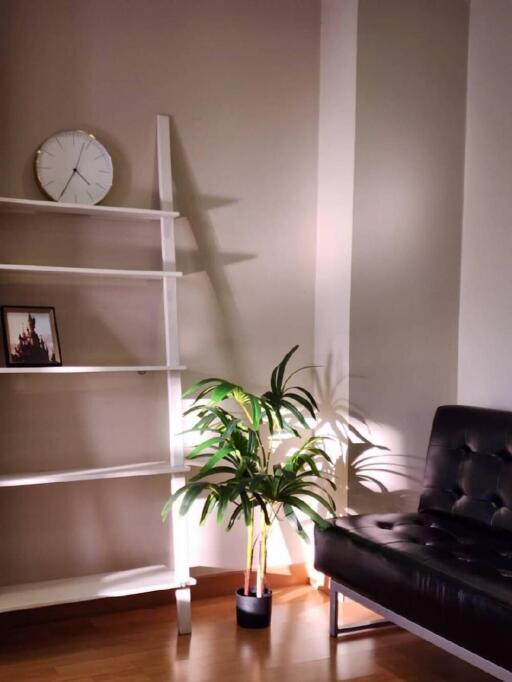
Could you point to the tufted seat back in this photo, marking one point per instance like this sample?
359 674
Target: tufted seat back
469 465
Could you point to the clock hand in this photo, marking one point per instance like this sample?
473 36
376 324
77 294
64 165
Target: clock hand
79 157
80 174
67 183
75 170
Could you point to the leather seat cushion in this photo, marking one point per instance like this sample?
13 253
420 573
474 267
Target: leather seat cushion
449 575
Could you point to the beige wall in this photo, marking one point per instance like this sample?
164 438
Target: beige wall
411 82
485 365
263 119
240 80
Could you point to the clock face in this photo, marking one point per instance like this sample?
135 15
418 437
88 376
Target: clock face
73 167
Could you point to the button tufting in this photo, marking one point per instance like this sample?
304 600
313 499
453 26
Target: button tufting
385 525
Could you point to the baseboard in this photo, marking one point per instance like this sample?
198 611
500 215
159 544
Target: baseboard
208 585
220 584
325 587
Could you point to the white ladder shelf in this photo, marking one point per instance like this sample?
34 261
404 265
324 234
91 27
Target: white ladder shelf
138 579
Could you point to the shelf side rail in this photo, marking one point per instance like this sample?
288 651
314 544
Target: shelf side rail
178 546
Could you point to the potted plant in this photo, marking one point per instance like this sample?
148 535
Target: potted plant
240 478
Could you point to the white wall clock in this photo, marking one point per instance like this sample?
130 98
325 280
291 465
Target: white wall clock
73 167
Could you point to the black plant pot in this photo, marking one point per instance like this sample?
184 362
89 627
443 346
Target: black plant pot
253 611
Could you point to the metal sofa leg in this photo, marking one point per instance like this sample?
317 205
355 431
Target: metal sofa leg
335 630
333 610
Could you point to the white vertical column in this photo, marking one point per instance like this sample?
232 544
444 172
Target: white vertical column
178 547
336 150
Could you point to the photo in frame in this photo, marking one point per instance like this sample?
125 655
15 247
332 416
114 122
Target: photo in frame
30 336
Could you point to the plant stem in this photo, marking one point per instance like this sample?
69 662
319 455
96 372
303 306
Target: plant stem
262 564
249 555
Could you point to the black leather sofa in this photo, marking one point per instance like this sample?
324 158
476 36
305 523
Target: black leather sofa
444 572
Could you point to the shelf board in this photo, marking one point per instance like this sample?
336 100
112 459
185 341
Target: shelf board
72 475
97 272
115 212
82 369
86 588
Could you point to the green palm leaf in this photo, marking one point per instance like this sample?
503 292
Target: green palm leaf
193 491
216 471
201 447
305 508
222 391
306 404
292 519
308 395
216 457
208 507
296 413
256 412
193 389
234 516
281 368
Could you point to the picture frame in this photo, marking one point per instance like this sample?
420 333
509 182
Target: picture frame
30 336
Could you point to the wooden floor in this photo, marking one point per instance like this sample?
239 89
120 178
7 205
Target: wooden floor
142 646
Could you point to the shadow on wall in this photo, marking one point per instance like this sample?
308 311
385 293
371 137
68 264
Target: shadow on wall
371 466
377 479
193 204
